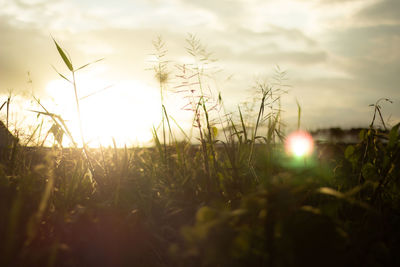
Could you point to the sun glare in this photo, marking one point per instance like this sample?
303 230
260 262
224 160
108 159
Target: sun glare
125 111
299 144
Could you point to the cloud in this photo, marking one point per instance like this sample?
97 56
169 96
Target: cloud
329 2
383 11
342 102
293 34
370 57
274 38
371 54
38 4
225 8
367 50
344 67
338 1
262 56
23 50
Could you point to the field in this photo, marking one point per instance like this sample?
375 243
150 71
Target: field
233 197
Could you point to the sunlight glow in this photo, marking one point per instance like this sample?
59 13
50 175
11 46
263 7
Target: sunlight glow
299 144
126 111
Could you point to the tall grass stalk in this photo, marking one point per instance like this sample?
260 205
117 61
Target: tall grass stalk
68 62
298 114
265 92
8 109
161 75
202 59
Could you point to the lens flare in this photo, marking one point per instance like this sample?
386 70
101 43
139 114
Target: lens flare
299 144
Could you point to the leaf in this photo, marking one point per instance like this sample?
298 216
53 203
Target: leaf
311 209
369 172
84 66
96 92
243 124
157 141
205 214
62 76
331 192
362 135
214 131
346 197
298 114
64 56
3 105
394 135
349 152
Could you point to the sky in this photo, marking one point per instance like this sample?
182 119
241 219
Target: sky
339 56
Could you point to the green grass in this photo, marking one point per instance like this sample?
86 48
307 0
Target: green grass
234 198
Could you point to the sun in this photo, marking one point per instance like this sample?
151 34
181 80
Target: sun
299 144
125 111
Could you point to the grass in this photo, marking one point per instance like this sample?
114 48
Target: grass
231 199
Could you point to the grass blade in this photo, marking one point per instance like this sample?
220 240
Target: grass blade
62 76
64 56
84 66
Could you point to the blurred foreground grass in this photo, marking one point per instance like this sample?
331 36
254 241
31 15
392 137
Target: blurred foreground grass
137 209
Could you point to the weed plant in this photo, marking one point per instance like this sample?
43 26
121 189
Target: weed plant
238 200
